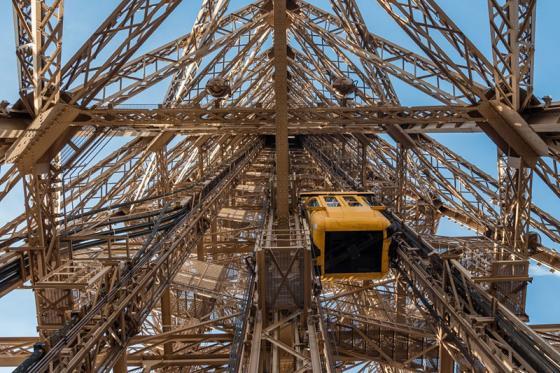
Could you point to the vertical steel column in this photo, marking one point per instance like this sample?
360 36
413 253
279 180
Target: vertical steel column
402 165
307 282
314 347
39 51
120 365
364 166
515 196
41 208
42 187
446 362
40 221
200 163
37 37
200 249
281 115
512 26
400 295
515 189
261 276
214 234
39 44
164 188
166 319
254 358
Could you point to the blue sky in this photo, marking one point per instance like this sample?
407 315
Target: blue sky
82 17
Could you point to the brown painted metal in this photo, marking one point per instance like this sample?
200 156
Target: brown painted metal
281 109
109 225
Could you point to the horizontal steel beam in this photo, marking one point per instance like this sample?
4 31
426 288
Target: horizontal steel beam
305 120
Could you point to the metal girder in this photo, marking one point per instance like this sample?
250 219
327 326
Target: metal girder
280 48
206 23
486 188
379 83
333 63
549 172
80 192
515 181
94 192
228 64
309 76
110 226
38 27
423 21
249 116
131 23
512 27
41 135
510 131
369 316
387 115
38 162
401 63
349 15
213 296
41 209
92 196
144 276
315 45
286 318
507 128
144 71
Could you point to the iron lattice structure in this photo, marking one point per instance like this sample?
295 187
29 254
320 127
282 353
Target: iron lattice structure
170 237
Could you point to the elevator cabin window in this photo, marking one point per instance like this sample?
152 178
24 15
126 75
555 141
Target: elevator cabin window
353 252
332 202
313 202
351 201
